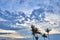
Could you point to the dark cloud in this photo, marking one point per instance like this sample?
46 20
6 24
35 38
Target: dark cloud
22 1
4 33
50 9
36 13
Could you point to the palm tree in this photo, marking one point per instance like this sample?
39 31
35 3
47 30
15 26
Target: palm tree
48 30
44 36
36 32
36 37
33 30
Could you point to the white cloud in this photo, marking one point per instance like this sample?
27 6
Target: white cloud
12 36
53 19
51 22
1 19
7 31
54 31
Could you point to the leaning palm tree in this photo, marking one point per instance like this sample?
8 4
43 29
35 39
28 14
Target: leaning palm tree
44 36
33 30
36 32
36 37
48 30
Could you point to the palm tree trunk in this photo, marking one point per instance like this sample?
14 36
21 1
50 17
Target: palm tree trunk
44 38
33 37
36 37
48 36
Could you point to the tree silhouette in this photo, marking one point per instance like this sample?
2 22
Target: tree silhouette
36 37
36 32
33 30
44 36
48 30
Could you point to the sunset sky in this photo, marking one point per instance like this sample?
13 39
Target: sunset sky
17 16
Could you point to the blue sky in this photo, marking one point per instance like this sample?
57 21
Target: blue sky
16 16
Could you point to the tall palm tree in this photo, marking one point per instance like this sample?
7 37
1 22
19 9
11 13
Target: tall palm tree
36 32
44 36
36 37
33 30
48 30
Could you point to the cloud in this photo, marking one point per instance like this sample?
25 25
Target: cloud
54 31
22 24
1 19
11 34
50 21
7 31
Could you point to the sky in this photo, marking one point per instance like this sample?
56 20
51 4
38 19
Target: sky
17 16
